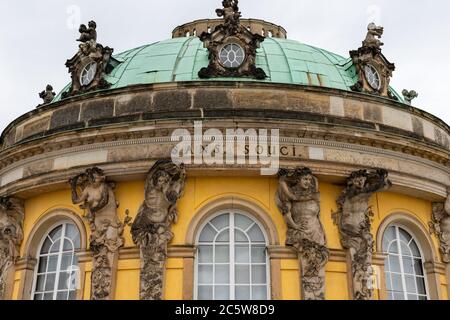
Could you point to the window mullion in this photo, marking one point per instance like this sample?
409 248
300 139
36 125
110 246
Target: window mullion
232 259
402 269
58 265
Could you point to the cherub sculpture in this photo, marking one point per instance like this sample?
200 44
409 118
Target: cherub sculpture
440 225
409 95
354 219
88 33
151 229
230 13
298 199
11 236
47 95
374 33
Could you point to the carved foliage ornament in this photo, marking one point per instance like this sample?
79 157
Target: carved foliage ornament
151 229
96 196
11 236
90 64
298 199
354 219
232 48
440 225
373 70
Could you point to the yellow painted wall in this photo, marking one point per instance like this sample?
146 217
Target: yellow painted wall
201 191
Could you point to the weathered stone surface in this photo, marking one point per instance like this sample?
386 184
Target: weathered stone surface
259 99
133 104
97 109
212 99
65 116
353 109
305 102
417 126
373 113
38 126
38 168
172 100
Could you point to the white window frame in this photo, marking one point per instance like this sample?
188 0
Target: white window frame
64 224
232 244
400 255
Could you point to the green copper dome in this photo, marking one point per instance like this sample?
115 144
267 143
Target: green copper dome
180 59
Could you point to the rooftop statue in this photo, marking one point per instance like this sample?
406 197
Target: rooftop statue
88 34
47 95
230 12
374 33
409 95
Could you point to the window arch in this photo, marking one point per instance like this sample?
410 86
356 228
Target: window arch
404 266
56 273
232 261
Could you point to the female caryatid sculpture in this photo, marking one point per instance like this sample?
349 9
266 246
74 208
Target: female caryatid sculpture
96 196
354 219
298 199
151 229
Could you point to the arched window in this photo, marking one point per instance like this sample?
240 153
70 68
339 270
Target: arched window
405 277
56 272
232 261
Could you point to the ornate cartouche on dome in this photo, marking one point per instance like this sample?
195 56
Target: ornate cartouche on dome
232 47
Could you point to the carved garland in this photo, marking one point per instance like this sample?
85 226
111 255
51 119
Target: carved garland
151 230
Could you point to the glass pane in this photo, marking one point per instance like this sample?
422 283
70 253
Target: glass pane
40 283
415 249
386 265
73 295
405 250
418 267
222 275
68 246
205 254
56 233
205 293
408 266
208 234
46 246
224 236
38 296
394 247
63 283
242 254
423 298
259 293
399 296
389 235
61 296
258 275
48 296
66 261
410 284
222 293
242 293
394 263
242 274
421 286
388 281
72 232
242 222
397 284
52 263
404 236
258 255
222 254
55 247
50 282
239 236
413 297
256 235
221 222
205 274
42 265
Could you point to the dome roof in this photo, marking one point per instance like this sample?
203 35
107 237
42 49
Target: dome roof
180 59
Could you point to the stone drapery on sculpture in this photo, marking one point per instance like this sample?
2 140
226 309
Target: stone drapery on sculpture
151 229
440 225
354 219
373 70
90 64
96 196
47 95
11 236
298 199
232 47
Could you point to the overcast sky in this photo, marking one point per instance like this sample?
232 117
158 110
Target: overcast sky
37 37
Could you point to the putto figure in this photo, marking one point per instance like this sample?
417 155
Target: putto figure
440 225
96 196
354 219
298 199
47 95
374 33
230 13
151 230
11 236
88 34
